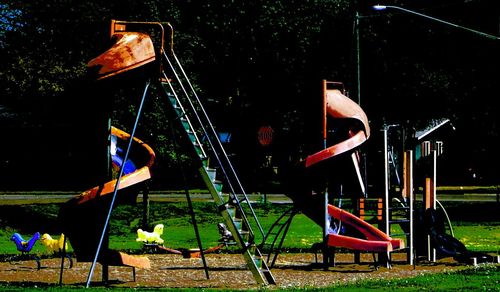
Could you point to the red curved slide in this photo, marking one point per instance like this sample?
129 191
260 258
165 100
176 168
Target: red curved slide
83 216
304 177
375 240
339 106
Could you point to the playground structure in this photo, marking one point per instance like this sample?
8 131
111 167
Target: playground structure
428 227
308 182
135 49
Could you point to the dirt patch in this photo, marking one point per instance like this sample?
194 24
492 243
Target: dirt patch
225 271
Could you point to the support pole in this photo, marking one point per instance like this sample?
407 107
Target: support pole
326 226
326 223
408 196
386 183
430 200
191 210
145 207
358 58
324 114
104 237
63 255
197 232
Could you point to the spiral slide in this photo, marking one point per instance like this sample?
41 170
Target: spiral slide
83 216
305 181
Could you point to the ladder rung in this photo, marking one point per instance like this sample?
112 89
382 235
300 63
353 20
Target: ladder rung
185 124
399 208
212 172
258 261
399 221
218 186
238 223
399 234
229 208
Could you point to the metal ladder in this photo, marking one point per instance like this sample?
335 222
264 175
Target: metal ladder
397 212
215 167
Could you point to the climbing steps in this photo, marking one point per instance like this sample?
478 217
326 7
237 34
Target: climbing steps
398 220
215 167
399 211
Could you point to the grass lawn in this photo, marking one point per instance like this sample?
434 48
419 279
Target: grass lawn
475 233
474 224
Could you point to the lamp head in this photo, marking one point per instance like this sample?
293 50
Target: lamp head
379 7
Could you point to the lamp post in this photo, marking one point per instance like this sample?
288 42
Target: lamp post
358 71
384 7
357 18
476 32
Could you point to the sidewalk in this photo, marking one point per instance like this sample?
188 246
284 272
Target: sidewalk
47 197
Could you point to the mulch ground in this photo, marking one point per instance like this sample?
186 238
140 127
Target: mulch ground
225 271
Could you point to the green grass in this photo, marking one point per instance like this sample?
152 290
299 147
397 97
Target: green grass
475 224
477 235
125 220
179 231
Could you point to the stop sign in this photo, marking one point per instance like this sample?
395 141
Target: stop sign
265 135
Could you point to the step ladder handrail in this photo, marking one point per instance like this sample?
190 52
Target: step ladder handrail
214 134
184 113
219 161
233 191
210 125
193 106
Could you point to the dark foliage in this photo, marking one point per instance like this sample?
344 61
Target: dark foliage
254 63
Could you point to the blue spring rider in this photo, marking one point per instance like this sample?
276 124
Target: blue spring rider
25 246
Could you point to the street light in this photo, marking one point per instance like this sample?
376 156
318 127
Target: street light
357 18
384 7
358 71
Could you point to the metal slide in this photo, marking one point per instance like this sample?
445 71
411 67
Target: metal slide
82 217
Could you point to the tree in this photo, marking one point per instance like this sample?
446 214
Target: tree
253 63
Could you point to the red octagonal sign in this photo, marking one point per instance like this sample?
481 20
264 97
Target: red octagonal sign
265 135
